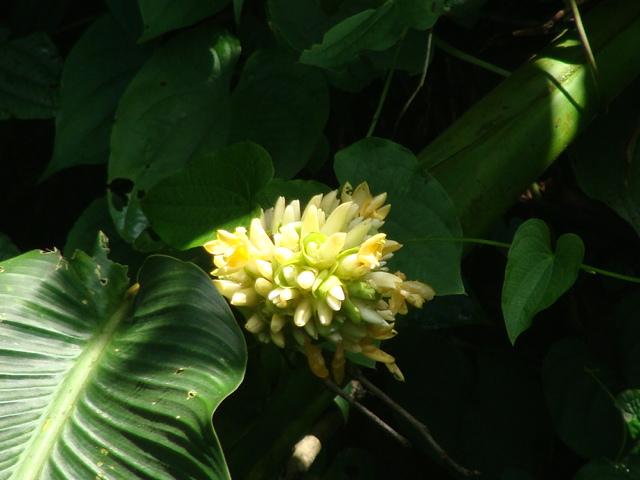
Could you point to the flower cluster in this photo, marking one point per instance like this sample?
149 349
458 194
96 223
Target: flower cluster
303 276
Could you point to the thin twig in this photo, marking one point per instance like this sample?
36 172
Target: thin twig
425 68
584 40
368 413
465 57
385 89
417 424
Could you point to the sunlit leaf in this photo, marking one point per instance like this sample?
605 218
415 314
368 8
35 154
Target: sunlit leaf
101 383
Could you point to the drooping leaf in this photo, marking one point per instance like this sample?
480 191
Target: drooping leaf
606 159
281 105
372 29
536 276
214 191
98 382
29 77
7 247
160 16
95 74
629 404
176 108
582 409
237 9
302 23
422 216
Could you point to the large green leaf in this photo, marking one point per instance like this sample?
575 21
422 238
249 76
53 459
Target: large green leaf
176 108
283 106
29 77
214 191
160 16
581 406
95 74
99 382
422 216
629 404
536 276
606 159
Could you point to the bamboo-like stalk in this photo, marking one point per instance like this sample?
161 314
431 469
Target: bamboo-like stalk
504 142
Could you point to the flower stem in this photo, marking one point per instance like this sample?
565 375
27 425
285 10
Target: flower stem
492 243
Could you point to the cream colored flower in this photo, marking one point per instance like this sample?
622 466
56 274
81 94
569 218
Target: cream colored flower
307 276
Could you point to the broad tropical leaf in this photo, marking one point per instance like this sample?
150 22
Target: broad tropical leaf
97 381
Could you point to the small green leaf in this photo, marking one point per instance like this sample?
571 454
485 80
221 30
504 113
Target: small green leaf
7 247
214 191
176 108
536 276
101 383
581 406
160 16
281 105
629 404
420 211
372 29
29 77
95 74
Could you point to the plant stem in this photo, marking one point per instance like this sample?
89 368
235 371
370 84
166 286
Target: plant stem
385 89
465 57
423 77
492 243
584 40
417 424
368 413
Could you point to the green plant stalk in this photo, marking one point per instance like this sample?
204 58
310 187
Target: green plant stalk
493 152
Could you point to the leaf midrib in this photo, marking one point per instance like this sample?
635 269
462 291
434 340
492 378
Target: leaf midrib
38 452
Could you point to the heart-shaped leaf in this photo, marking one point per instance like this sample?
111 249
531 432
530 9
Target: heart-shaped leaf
421 211
175 109
101 382
214 191
536 276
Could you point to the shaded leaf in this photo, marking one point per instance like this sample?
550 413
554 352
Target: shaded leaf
536 276
606 158
29 77
95 74
582 410
108 384
176 108
371 29
214 191
281 105
160 16
420 211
